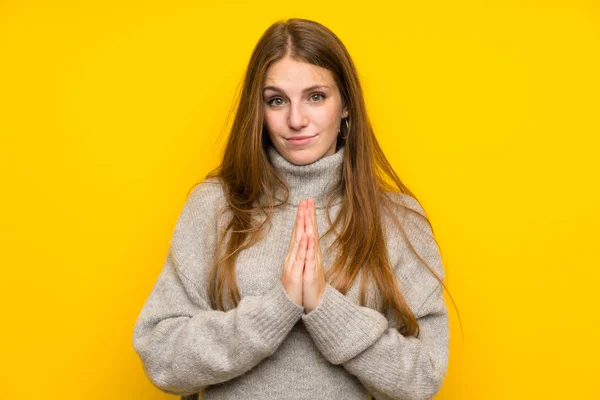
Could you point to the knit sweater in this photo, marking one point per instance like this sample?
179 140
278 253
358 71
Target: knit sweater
268 347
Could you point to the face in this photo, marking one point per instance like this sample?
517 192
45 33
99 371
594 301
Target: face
303 110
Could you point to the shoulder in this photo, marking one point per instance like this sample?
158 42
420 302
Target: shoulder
410 212
406 200
414 236
195 234
205 199
198 215
208 193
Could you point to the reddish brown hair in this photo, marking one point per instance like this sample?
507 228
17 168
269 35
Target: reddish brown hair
248 177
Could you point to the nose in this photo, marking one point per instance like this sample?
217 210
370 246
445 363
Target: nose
296 119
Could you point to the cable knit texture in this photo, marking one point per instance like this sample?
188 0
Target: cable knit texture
267 347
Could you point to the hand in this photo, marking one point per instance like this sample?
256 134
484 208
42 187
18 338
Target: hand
291 276
313 285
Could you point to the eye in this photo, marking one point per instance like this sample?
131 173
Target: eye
271 101
317 96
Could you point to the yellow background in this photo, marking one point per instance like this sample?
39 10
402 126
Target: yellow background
110 111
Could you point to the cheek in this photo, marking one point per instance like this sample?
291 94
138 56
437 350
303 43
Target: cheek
275 121
270 121
325 116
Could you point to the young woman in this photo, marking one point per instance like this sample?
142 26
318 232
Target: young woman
296 269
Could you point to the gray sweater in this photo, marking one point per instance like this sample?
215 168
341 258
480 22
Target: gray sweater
267 347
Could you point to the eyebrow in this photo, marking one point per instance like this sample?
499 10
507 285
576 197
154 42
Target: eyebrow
308 89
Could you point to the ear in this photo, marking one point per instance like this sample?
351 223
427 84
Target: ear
344 112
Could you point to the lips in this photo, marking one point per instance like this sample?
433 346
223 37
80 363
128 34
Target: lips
300 140
300 137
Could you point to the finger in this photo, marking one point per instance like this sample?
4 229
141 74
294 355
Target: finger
295 250
310 251
313 216
296 222
295 236
309 263
298 267
301 224
309 227
294 246
317 240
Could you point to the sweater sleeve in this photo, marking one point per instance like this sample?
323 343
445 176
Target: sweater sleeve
183 344
362 340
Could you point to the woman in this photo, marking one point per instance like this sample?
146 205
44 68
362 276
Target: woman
296 271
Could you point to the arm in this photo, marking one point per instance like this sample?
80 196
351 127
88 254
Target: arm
388 364
183 344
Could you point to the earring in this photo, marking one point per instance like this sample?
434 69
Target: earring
347 129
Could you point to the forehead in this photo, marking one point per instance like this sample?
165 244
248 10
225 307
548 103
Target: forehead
290 73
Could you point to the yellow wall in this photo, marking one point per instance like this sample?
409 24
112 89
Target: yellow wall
110 111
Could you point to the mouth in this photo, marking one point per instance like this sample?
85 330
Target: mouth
300 140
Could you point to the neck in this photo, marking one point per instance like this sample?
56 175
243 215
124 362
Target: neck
316 180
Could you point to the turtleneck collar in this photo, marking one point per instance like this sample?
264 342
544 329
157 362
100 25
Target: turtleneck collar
312 180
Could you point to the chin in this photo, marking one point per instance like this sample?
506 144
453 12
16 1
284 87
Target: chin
301 157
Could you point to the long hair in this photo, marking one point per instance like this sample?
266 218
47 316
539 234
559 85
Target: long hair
248 177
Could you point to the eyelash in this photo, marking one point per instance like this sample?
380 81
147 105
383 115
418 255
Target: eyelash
275 98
